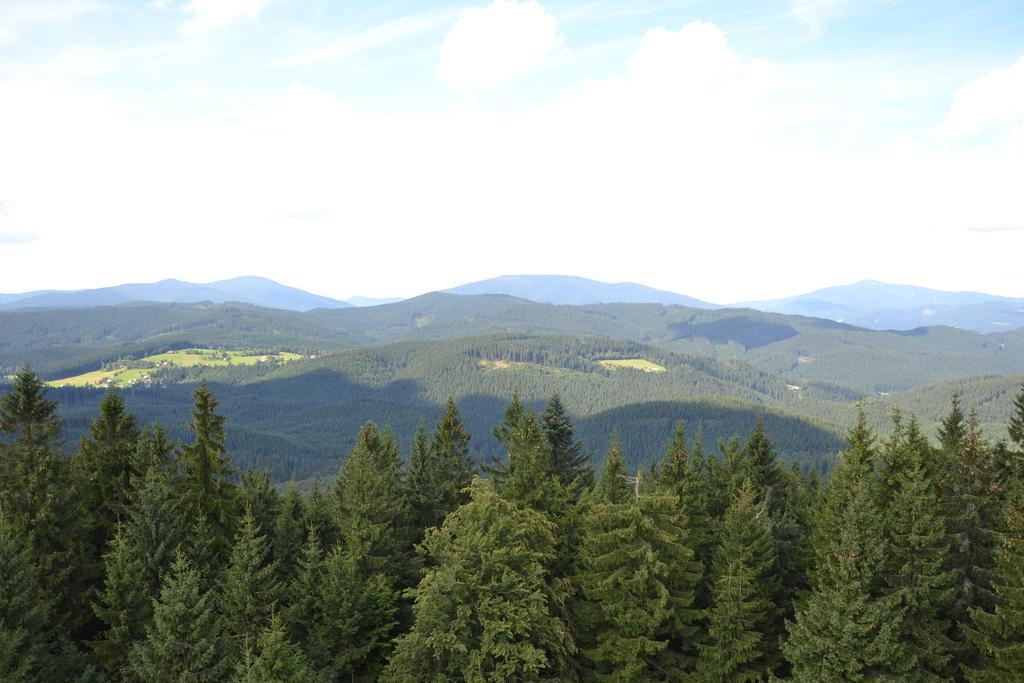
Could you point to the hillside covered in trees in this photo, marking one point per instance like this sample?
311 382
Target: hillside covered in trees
721 370
142 557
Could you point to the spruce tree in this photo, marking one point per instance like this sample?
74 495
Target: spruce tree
184 642
101 472
611 484
919 573
681 477
850 627
139 557
261 498
638 577
279 659
743 632
1016 427
289 534
999 634
249 591
762 469
485 609
25 611
439 471
354 620
35 494
207 489
568 460
970 494
154 450
371 512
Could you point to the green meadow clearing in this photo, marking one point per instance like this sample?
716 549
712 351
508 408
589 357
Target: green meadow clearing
141 370
632 363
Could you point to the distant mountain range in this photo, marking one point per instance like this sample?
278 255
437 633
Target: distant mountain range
870 304
577 291
258 291
883 306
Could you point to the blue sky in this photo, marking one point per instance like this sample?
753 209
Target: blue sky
726 150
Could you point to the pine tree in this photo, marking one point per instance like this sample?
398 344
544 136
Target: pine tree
354 620
301 605
970 495
139 556
101 472
321 515
208 492
289 534
850 628
743 633
103 464
371 509
250 591
999 634
639 577
154 450
611 482
279 659
681 477
25 611
485 609
763 470
439 471
27 416
1016 427
34 490
919 573
568 460
261 498
184 642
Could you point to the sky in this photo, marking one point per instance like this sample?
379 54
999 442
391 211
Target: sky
728 151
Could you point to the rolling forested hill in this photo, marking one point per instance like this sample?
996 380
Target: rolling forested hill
631 367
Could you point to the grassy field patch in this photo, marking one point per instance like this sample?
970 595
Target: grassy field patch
142 370
632 363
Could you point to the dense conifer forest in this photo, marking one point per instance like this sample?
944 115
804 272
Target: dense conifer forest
135 555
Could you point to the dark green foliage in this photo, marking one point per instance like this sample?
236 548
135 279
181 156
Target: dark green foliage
682 475
278 660
638 576
999 635
919 573
139 556
570 463
439 471
850 628
207 491
289 534
101 475
155 450
184 641
351 635
1016 426
742 632
249 591
970 495
485 609
27 416
611 486
372 516
25 612
259 496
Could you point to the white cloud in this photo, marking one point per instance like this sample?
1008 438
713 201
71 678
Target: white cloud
16 15
492 44
816 14
997 98
384 34
213 14
670 173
